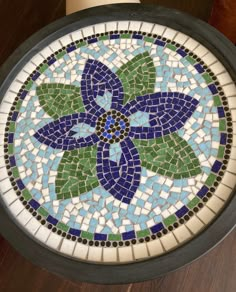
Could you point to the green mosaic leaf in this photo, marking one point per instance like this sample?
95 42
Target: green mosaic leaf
59 100
77 173
170 156
138 76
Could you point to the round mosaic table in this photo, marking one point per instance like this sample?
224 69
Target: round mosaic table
118 143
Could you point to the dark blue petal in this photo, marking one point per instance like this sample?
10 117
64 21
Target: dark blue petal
97 78
58 134
168 112
121 181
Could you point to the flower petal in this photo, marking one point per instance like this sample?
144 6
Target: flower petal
168 112
123 179
97 79
58 134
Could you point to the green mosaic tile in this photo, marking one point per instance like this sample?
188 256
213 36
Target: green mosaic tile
62 226
148 39
114 237
138 76
171 47
170 220
11 148
81 44
87 235
190 60
104 38
222 126
42 212
15 172
217 101
210 180
193 202
143 233
18 105
60 54
12 127
221 152
29 85
44 67
26 194
125 36
207 78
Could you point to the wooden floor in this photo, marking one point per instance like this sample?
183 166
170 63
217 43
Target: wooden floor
215 272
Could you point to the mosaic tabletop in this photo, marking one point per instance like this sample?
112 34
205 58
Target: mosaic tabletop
118 142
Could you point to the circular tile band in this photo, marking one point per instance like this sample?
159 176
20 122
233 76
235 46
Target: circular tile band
168 101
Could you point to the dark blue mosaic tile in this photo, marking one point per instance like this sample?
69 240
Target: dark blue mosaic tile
114 36
181 53
128 235
36 76
51 61
157 228
99 236
20 184
34 204
14 116
223 138
23 94
52 220
10 138
137 36
216 166
213 88
181 212
74 232
221 112
203 191
71 49
91 41
160 43
199 68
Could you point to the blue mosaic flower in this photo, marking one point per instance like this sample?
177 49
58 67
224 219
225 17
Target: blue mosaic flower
168 112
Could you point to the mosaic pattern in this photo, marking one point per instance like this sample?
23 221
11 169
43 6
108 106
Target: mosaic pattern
168 113
119 146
